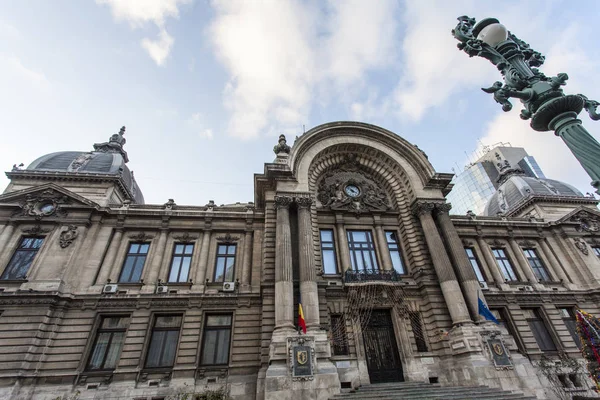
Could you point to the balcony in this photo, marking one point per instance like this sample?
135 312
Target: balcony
371 275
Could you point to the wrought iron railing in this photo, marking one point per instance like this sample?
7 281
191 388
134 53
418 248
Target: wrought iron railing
371 275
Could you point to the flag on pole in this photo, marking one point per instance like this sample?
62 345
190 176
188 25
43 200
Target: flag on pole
301 322
485 312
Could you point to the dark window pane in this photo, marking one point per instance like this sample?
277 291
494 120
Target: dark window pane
220 269
394 250
185 269
108 343
216 340
99 351
539 270
218 320
418 331
539 330
474 263
225 263
329 264
222 355
568 317
362 250
163 345
339 338
112 355
153 359
21 261
596 250
170 321
504 264
210 347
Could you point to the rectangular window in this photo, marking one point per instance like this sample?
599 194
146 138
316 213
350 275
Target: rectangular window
163 344
21 261
134 262
362 251
328 258
180 264
536 264
225 264
502 318
596 250
474 263
394 248
339 338
417 327
568 317
108 343
216 340
504 264
539 329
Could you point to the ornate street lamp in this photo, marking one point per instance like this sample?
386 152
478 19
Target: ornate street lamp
544 101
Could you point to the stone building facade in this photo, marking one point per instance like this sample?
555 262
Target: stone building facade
110 297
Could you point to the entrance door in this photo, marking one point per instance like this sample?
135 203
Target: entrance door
381 350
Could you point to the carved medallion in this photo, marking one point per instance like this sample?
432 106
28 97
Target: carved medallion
582 246
44 204
67 237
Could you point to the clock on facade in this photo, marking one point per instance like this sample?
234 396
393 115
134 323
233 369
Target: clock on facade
352 190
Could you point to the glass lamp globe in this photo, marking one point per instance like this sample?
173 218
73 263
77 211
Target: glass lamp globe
490 31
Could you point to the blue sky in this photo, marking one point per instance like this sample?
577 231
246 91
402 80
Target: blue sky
205 87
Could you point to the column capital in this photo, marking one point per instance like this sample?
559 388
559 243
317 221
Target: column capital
423 207
283 201
304 202
443 208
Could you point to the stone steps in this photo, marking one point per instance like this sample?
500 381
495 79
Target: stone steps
425 391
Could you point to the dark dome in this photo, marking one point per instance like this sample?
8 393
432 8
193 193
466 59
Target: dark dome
518 188
95 162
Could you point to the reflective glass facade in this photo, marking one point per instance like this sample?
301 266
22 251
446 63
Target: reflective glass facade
472 190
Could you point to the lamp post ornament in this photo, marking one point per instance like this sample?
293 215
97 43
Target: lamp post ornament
542 97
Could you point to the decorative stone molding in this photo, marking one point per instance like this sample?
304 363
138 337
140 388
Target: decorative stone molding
142 237
443 208
423 207
185 237
304 202
496 243
593 241
169 205
36 230
80 162
67 237
44 204
588 222
467 243
527 243
581 245
283 201
228 238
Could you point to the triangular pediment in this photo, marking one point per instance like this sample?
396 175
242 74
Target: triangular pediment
587 219
45 201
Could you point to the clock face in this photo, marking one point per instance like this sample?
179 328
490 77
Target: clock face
352 191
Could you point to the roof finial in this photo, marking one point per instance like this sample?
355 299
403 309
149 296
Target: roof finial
114 145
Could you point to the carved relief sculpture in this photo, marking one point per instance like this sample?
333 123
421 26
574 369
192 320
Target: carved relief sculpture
588 222
44 204
582 246
67 237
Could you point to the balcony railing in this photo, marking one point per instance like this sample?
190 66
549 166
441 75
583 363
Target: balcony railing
371 275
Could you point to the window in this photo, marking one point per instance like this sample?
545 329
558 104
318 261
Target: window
108 343
180 264
394 248
504 264
417 327
362 251
474 263
225 263
134 262
339 338
328 258
502 318
568 317
163 343
536 264
23 258
539 329
596 250
216 339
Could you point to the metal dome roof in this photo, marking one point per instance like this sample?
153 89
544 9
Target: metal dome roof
517 188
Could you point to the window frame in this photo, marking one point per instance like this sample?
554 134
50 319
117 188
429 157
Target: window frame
208 328
99 330
418 330
477 265
154 329
225 256
339 343
371 248
541 322
596 250
135 256
322 244
536 264
398 249
502 265
183 256
7 274
503 316
570 322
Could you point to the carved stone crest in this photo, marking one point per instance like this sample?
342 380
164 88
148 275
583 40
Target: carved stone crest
185 237
67 237
582 246
142 237
350 188
35 230
44 204
588 222
228 238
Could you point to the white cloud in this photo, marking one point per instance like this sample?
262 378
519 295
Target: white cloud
140 12
278 54
206 134
196 123
14 66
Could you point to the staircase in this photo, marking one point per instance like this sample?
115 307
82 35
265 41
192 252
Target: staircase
426 391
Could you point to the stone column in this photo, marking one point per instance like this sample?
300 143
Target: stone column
443 268
247 259
386 259
6 235
284 286
203 264
308 285
492 264
554 264
522 261
156 265
464 271
108 264
342 243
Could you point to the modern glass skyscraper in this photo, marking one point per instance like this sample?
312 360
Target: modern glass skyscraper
478 182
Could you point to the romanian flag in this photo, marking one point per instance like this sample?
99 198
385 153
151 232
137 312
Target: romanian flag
301 322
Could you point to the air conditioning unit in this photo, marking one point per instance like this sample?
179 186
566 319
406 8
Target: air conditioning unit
528 288
162 289
110 288
483 285
228 286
